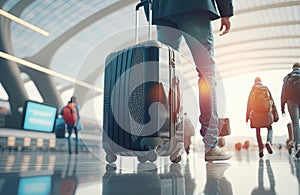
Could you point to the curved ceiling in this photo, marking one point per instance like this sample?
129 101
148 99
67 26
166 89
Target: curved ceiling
264 36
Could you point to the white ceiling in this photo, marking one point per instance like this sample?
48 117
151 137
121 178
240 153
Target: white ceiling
264 36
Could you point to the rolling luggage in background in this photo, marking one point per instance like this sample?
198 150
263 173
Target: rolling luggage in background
60 128
224 130
290 142
224 127
141 110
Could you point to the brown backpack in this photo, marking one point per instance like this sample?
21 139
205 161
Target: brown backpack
261 99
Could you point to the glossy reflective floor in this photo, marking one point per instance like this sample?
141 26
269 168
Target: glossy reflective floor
88 174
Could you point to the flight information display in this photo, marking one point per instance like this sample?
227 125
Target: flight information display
35 185
39 117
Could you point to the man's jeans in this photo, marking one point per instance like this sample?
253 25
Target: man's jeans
196 29
294 113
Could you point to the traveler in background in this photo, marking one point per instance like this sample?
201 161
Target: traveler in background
71 115
191 19
290 95
262 112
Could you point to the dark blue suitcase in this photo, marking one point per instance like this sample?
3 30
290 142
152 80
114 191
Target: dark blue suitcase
60 128
142 114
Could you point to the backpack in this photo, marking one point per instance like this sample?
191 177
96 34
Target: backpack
261 99
293 87
69 114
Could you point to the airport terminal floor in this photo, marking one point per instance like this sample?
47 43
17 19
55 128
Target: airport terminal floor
57 172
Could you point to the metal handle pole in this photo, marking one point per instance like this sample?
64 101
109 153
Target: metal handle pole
136 27
150 20
137 19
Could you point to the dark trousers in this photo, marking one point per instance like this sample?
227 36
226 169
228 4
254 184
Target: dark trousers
259 140
70 129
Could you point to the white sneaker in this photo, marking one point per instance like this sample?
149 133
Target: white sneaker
217 153
290 145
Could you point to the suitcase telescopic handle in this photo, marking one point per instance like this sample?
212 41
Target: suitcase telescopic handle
137 8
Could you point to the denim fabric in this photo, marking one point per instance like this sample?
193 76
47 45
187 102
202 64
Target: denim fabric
270 135
294 114
70 129
196 29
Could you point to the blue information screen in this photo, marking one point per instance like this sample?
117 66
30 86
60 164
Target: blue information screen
39 117
35 185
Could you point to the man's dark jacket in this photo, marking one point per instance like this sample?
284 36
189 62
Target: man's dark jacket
214 8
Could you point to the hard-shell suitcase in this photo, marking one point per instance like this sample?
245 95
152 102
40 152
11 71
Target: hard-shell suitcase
60 128
141 110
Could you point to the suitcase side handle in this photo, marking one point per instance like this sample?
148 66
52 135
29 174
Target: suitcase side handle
137 8
177 96
174 99
141 4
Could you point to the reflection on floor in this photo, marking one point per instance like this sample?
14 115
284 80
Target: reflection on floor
87 173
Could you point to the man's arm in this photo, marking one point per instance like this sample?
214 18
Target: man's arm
225 26
249 106
283 95
225 8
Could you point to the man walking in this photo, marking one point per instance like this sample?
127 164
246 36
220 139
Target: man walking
191 19
290 95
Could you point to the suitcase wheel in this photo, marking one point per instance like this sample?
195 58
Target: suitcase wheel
111 158
142 159
175 158
152 156
111 167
